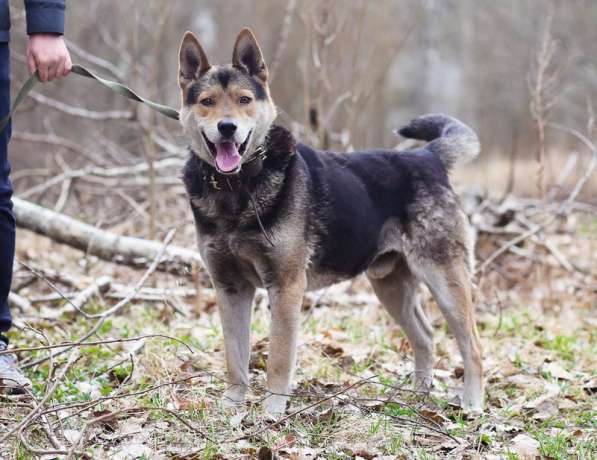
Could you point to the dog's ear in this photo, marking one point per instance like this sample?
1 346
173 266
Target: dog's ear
247 55
192 60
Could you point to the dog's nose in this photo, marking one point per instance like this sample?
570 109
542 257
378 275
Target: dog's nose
227 128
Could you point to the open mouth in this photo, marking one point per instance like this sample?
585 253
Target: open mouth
228 155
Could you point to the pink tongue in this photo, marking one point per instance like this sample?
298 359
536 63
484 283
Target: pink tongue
227 157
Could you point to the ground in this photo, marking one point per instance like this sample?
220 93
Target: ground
159 397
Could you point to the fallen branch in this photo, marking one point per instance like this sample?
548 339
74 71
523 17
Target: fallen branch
106 245
99 287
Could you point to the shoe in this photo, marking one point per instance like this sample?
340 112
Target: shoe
13 381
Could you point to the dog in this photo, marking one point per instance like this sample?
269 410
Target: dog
273 213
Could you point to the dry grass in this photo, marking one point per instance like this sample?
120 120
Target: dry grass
537 323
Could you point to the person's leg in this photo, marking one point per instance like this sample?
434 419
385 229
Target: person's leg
7 220
12 380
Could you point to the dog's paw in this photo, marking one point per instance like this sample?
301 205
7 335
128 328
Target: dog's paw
472 407
469 406
275 405
423 381
234 396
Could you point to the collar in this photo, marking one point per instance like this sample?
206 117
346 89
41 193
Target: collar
217 181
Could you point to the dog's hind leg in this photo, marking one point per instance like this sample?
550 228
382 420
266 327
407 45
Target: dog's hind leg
285 301
398 292
234 303
450 285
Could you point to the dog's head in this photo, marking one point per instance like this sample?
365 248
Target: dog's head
226 110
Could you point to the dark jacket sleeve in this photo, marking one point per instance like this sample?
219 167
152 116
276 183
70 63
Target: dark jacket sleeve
45 16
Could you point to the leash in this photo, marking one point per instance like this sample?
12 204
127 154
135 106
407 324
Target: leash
77 69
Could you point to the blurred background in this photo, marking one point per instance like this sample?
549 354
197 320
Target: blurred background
344 75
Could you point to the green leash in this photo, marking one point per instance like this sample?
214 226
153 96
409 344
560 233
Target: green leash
83 72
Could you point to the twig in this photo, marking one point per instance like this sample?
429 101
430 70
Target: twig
79 112
88 404
500 310
562 208
52 286
95 60
100 286
36 412
91 344
106 314
303 409
53 140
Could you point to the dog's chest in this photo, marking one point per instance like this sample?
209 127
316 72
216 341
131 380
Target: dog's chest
222 212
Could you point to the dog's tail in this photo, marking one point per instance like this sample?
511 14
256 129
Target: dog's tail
451 140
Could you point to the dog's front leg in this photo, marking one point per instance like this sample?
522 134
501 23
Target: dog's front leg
234 303
285 301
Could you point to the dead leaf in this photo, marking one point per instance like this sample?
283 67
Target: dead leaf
522 380
525 447
432 415
237 418
557 371
130 426
72 436
591 386
458 372
332 350
547 409
133 451
265 453
110 421
186 404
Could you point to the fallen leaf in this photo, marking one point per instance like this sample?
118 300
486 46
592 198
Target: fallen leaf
458 372
432 415
110 421
265 453
591 386
237 418
525 447
557 371
547 409
332 350
133 451
130 426
72 436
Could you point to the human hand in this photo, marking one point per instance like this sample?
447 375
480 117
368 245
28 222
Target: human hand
48 54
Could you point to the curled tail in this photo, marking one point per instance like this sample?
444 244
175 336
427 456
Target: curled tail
450 139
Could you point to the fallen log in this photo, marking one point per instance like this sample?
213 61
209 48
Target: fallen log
135 252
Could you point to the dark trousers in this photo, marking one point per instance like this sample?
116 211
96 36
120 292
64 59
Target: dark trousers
7 220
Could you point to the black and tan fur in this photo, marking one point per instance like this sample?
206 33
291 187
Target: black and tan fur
326 217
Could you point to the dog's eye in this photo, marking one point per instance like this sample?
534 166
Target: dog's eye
208 101
244 100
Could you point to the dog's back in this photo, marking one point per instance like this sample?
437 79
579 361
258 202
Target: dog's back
355 195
